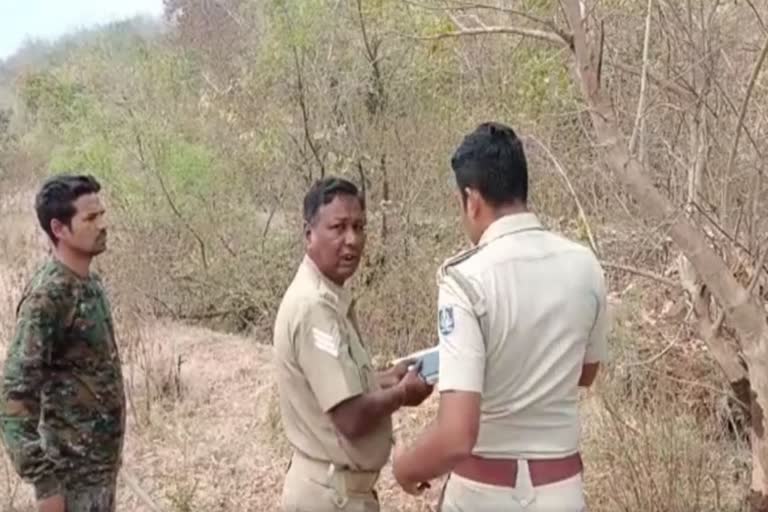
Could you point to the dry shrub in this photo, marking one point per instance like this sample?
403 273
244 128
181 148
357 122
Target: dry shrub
152 369
21 249
652 439
271 421
659 458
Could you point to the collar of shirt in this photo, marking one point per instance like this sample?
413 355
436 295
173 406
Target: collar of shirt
509 224
337 295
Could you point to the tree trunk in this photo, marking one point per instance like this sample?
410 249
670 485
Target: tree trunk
741 309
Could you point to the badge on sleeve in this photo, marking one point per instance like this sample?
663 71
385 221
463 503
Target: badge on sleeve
326 342
445 320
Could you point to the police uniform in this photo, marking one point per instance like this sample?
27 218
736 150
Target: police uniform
320 361
519 315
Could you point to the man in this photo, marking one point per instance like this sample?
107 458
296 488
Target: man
335 408
522 324
62 408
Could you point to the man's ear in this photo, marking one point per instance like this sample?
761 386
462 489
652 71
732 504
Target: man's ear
58 228
474 201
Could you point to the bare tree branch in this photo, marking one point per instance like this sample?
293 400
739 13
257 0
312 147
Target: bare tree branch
744 105
533 33
733 108
305 111
757 16
640 117
682 92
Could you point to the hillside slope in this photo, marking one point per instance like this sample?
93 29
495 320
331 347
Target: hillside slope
204 429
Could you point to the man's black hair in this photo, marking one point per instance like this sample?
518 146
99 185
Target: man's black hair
57 196
491 160
323 191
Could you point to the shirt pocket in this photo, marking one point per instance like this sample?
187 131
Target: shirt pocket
362 360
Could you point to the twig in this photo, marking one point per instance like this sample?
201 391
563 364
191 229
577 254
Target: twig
305 111
146 167
757 16
169 199
737 136
640 117
758 270
212 314
653 358
640 272
733 108
670 86
609 407
268 224
133 483
699 385
560 169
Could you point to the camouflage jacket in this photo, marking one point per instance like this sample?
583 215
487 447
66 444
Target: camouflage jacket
62 406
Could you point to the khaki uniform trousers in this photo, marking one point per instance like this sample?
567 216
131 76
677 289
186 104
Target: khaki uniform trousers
315 486
463 495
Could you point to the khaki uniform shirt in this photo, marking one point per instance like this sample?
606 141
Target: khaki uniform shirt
518 317
320 361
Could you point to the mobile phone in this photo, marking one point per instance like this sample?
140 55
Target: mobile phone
429 366
426 361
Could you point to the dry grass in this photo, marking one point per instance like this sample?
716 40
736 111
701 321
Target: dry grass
204 427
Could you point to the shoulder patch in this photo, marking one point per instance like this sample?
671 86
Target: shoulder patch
445 320
325 342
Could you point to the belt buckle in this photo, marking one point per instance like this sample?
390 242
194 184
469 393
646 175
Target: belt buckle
368 478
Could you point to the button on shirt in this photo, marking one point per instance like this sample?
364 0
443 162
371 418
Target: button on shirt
542 305
320 361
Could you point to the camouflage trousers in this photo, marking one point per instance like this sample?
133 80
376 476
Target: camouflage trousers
94 499
90 499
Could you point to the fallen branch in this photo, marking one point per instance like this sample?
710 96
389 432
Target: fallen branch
640 272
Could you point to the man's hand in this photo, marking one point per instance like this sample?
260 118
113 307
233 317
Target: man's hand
416 390
412 488
391 376
53 504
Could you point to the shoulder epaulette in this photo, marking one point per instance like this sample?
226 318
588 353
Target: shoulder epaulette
457 258
448 268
